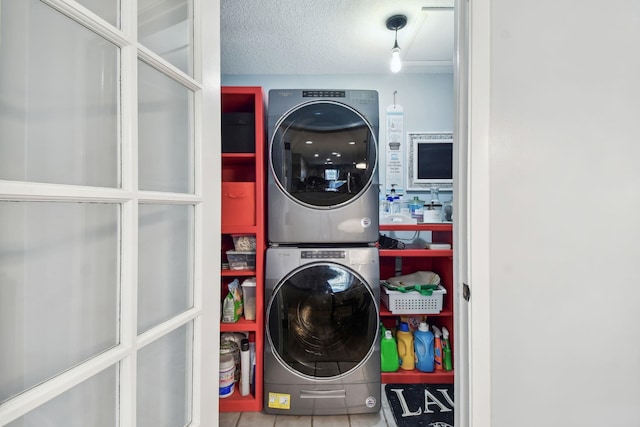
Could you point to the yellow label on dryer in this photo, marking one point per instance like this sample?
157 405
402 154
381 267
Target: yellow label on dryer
279 400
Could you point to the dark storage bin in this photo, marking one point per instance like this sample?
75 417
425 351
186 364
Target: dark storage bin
238 133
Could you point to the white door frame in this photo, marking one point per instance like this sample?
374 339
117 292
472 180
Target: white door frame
471 230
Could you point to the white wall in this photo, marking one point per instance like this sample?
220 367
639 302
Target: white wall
426 99
563 211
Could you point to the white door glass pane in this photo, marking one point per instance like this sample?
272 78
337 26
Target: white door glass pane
109 10
166 28
59 109
164 380
165 136
165 268
90 403
59 276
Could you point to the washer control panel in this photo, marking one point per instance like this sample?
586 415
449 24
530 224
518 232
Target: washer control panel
322 254
323 93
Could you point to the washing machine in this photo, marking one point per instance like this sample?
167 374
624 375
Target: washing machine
323 166
322 347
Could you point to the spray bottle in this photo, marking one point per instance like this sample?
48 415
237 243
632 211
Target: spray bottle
446 350
389 360
437 351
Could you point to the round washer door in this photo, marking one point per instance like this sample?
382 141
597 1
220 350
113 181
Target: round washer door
323 154
322 321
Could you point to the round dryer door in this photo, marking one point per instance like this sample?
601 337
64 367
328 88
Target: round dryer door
322 321
323 154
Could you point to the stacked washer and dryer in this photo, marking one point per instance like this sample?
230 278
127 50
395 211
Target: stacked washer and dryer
322 348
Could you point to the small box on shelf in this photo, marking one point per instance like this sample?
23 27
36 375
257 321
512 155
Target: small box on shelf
238 203
242 260
244 242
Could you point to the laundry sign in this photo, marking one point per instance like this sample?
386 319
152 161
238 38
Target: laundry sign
394 176
429 405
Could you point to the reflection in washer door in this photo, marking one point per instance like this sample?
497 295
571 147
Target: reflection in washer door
323 161
323 154
322 321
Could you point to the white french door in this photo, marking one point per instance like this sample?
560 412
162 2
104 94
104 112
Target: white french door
108 208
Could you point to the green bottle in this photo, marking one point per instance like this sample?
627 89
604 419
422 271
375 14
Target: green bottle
389 360
446 350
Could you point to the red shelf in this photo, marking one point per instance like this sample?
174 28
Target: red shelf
239 229
242 170
444 226
238 403
395 262
417 377
239 326
416 253
243 273
384 312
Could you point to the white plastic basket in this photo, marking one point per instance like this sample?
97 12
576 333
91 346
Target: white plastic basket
412 302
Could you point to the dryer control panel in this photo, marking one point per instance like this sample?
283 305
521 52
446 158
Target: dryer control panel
322 254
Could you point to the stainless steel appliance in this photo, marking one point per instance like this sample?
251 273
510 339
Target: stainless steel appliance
322 353
323 162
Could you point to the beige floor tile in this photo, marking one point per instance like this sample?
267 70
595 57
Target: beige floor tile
228 419
256 419
391 422
330 421
293 421
367 420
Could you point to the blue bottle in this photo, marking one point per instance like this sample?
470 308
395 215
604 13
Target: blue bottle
424 345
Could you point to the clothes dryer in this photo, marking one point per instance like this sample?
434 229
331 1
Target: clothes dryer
322 350
323 163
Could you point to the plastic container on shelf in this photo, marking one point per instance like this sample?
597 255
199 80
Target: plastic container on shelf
413 302
423 343
229 346
244 242
249 298
389 359
242 260
405 347
227 370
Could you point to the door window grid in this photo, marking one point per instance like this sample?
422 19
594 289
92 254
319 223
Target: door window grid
123 355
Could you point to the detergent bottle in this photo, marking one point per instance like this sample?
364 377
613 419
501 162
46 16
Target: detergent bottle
389 360
446 350
405 347
423 345
437 348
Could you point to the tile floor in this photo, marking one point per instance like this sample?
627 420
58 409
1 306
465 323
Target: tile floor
384 418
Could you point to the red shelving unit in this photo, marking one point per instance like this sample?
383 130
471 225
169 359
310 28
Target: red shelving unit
411 260
242 204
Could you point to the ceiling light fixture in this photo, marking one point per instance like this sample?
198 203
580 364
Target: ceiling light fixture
396 23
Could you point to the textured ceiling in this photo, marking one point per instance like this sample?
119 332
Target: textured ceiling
334 36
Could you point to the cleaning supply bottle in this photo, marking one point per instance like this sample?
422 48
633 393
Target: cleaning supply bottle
405 347
446 350
423 346
389 360
415 208
245 367
437 348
